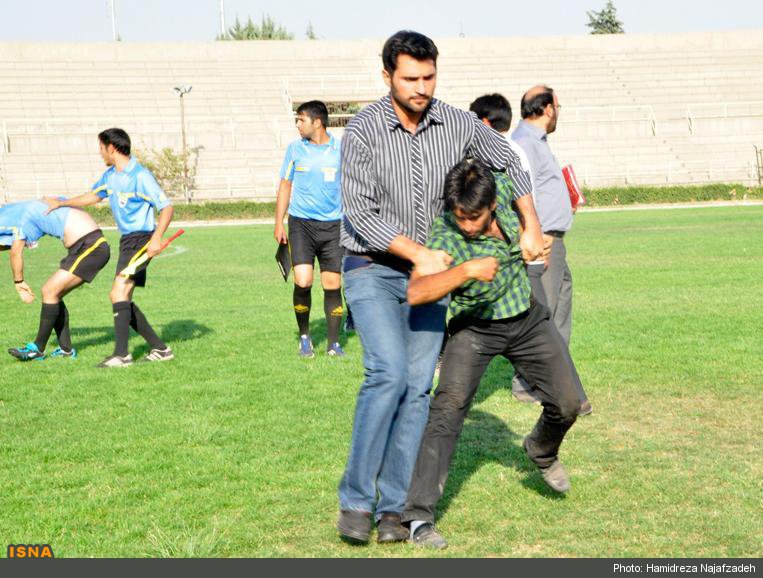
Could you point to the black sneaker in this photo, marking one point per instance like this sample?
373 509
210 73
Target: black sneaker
428 537
159 355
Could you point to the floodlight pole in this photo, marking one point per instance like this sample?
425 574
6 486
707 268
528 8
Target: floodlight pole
114 34
181 91
222 19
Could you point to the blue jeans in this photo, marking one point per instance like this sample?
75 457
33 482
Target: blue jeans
400 348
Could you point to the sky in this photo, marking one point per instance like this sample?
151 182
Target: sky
199 20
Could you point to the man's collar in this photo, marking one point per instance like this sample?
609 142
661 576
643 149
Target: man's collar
331 143
536 131
432 115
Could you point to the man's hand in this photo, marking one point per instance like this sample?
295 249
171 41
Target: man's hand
53 203
280 234
25 292
154 247
531 245
429 262
548 241
483 269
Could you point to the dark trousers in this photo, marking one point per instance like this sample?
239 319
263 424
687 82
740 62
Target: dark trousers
533 345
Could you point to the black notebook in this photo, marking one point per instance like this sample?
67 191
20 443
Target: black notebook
283 258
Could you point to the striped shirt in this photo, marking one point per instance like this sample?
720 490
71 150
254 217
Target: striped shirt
508 294
392 180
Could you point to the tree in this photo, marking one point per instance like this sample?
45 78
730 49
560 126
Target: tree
267 29
605 21
310 32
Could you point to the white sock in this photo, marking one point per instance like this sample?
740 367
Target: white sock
415 524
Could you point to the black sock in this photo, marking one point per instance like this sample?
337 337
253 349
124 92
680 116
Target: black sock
48 316
140 324
122 316
62 328
332 306
302 302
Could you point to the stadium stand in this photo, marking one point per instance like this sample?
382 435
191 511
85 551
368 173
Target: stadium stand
637 109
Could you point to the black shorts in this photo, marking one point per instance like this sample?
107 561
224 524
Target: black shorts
309 239
132 246
87 256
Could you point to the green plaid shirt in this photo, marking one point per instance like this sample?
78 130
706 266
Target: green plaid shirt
508 294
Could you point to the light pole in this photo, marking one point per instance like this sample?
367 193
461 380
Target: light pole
222 19
114 34
181 91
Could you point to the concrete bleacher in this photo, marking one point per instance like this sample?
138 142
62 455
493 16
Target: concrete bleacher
636 109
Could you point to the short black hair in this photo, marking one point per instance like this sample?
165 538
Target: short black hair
469 186
315 109
538 103
117 137
495 108
407 42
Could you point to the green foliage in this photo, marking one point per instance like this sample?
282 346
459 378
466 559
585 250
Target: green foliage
605 21
235 448
267 29
673 194
166 165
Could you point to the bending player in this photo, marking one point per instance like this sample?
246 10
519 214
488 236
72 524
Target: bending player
133 195
22 224
492 314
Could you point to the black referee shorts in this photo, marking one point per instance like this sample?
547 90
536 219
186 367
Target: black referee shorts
309 239
87 256
131 247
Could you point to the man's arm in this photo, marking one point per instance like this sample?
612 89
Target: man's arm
83 200
361 208
17 267
282 205
165 218
429 288
492 148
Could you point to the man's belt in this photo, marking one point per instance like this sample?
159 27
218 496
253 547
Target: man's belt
354 260
557 234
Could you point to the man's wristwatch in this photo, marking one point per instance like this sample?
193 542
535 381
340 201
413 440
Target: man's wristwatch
18 282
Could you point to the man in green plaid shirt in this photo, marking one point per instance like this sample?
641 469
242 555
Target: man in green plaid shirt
492 313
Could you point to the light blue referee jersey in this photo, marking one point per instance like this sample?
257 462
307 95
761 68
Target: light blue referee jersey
27 221
133 194
315 176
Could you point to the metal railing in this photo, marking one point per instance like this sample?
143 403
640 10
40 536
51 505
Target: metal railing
225 125
626 113
722 110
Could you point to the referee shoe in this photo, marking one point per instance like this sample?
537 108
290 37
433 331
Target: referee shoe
116 361
27 353
159 355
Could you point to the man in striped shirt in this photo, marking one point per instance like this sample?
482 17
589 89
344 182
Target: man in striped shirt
395 155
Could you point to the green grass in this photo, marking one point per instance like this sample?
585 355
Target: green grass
236 447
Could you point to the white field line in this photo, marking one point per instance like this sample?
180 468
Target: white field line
582 210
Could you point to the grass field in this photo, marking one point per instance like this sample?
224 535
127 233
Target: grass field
236 447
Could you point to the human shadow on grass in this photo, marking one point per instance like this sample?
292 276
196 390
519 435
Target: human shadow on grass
486 438
173 332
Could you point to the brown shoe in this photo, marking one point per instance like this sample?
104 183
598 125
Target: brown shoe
354 526
390 529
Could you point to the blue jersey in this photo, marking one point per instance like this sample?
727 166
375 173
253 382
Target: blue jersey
27 221
314 173
133 194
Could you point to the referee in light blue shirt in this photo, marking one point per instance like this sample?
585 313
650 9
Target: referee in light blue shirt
133 195
310 190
